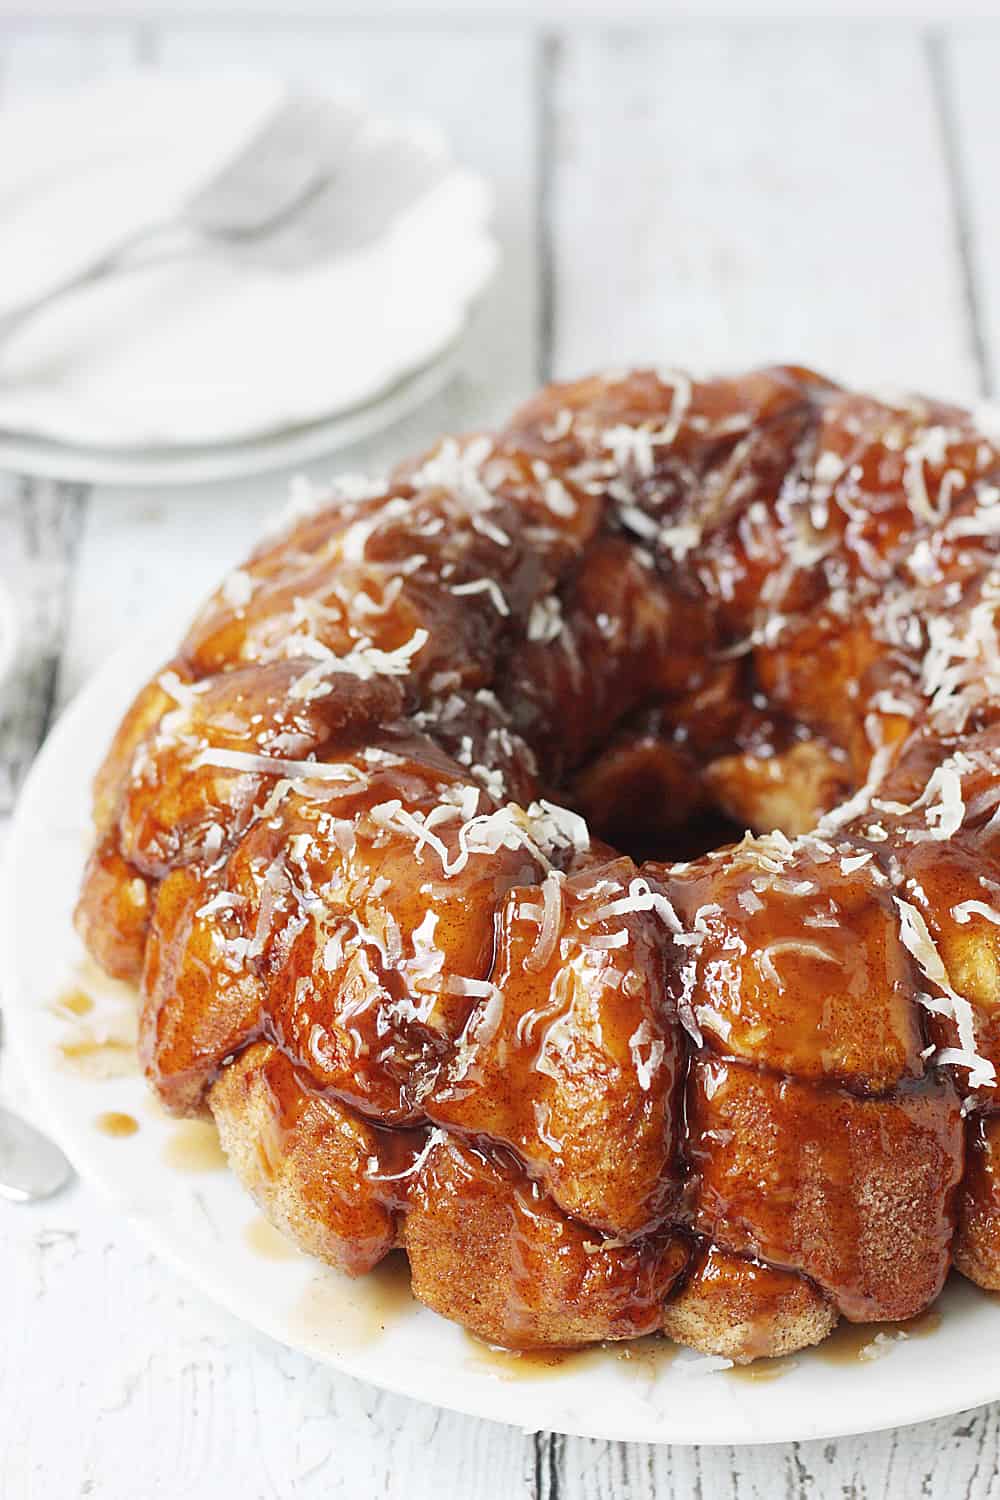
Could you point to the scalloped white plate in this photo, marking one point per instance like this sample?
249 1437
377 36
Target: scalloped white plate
181 464
200 1222
211 349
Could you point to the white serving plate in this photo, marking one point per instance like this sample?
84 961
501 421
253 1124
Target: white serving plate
211 349
200 1221
211 462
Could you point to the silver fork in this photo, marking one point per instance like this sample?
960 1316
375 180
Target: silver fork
318 178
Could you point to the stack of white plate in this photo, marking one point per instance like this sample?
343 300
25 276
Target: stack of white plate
207 367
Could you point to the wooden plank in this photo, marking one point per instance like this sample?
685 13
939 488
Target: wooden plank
39 533
757 195
970 67
956 1456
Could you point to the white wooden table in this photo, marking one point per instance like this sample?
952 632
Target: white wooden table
697 195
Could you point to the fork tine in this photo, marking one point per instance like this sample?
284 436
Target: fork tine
318 177
338 222
349 213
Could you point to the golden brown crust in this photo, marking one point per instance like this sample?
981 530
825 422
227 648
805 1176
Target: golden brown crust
744 1310
790 789
113 916
490 1251
331 834
320 1173
977 1234
197 1008
579 1075
855 1193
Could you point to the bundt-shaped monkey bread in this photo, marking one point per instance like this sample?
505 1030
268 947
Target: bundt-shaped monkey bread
428 851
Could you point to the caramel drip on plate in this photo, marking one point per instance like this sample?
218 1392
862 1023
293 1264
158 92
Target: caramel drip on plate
858 1343
116 1124
194 1146
268 1242
346 1313
73 1002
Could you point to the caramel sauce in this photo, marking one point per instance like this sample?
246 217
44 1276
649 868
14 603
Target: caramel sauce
521 1364
647 1357
116 1124
352 1313
99 1041
72 1004
764 1370
154 1106
848 1341
99 1060
194 1147
746 1128
654 1353
99 985
650 1354
268 1242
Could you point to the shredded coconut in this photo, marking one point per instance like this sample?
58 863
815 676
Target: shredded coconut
485 586
551 921
918 942
965 910
293 770
641 897
545 622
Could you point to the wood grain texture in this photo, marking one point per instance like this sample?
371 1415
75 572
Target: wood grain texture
970 67
148 1391
709 198
40 527
740 198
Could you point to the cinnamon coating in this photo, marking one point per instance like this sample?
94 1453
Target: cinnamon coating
412 846
744 1310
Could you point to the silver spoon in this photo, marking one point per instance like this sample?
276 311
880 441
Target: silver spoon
31 1166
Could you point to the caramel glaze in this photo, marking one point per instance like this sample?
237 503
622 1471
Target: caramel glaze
333 844
855 1192
852 1343
116 1124
291 1094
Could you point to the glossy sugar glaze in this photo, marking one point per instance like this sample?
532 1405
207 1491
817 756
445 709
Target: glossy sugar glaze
379 845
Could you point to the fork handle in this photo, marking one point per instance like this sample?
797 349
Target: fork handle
120 257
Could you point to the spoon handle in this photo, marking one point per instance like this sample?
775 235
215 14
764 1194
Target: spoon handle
31 1166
